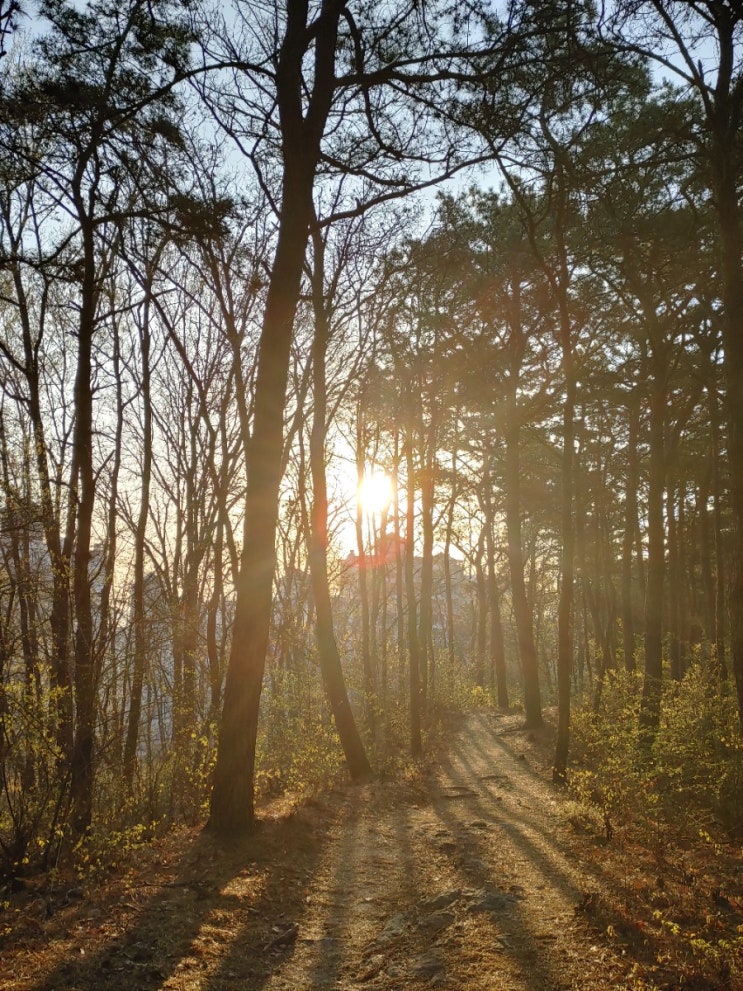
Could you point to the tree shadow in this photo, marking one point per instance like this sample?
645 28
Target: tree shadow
185 926
364 877
493 803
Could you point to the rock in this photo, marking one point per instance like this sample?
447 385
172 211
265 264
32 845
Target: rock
287 936
487 900
444 900
394 928
429 965
475 864
374 966
458 791
436 922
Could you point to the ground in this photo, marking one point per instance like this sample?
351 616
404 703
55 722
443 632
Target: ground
472 873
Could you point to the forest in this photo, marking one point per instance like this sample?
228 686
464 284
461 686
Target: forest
360 364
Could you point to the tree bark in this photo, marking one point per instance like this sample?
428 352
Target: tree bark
567 525
628 537
651 691
82 764
330 662
522 612
138 593
416 744
232 799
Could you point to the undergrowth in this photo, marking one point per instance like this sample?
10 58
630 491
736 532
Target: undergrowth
691 781
298 752
670 821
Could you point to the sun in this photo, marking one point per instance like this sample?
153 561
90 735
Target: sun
375 492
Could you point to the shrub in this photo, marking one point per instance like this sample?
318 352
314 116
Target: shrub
693 777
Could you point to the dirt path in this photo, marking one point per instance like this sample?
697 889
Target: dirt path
466 887
456 880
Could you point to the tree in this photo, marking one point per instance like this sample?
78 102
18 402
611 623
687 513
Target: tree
330 663
99 94
643 218
331 64
674 35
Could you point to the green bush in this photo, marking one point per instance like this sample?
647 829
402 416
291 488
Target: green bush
692 778
33 792
699 753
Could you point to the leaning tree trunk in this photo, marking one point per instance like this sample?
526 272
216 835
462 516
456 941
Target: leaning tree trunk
330 662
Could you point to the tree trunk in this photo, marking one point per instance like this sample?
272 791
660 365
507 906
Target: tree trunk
416 744
138 593
522 613
450 627
725 136
82 765
330 662
497 646
481 635
567 526
216 599
651 691
399 575
720 570
630 525
232 799
425 625
58 548
106 639
364 561
674 583
706 546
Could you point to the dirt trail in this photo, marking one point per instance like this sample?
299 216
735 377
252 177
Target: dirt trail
458 880
463 886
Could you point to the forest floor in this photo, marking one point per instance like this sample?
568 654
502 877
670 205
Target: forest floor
473 873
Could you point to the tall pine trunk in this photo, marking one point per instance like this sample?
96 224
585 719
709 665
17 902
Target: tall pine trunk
521 609
651 691
416 704
232 799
